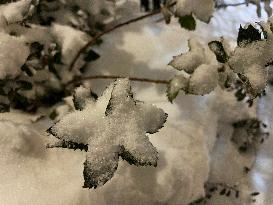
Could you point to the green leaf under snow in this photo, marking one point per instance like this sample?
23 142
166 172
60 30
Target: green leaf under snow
179 82
187 22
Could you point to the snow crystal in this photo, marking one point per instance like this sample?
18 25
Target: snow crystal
190 60
204 79
202 9
13 54
116 125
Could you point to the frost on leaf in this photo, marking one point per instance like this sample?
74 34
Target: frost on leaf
115 125
202 9
192 59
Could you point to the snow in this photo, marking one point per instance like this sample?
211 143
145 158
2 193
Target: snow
257 76
202 9
13 55
115 129
203 80
81 97
190 60
184 145
15 11
71 43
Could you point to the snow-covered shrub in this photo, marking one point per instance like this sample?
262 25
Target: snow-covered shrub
40 40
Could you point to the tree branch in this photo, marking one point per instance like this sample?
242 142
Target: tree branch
147 80
99 35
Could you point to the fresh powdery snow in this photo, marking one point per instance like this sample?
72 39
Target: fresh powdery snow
203 80
15 11
116 125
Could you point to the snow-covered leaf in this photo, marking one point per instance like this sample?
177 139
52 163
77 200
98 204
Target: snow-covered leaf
202 9
203 80
116 125
15 11
192 59
179 82
13 54
257 79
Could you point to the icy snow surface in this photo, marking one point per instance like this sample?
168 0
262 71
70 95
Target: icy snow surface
54 176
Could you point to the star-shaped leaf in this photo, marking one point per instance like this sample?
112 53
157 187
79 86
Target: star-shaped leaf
115 125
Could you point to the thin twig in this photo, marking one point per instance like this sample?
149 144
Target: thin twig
99 35
147 80
220 6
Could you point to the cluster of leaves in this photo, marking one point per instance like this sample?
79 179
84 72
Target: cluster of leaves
242 70
221 189
115 125
249 133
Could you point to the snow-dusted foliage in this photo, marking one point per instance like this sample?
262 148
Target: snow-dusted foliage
200 75
189 61
38 41
114 126
244 68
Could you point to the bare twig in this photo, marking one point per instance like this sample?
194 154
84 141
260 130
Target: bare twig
147 80
99 35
